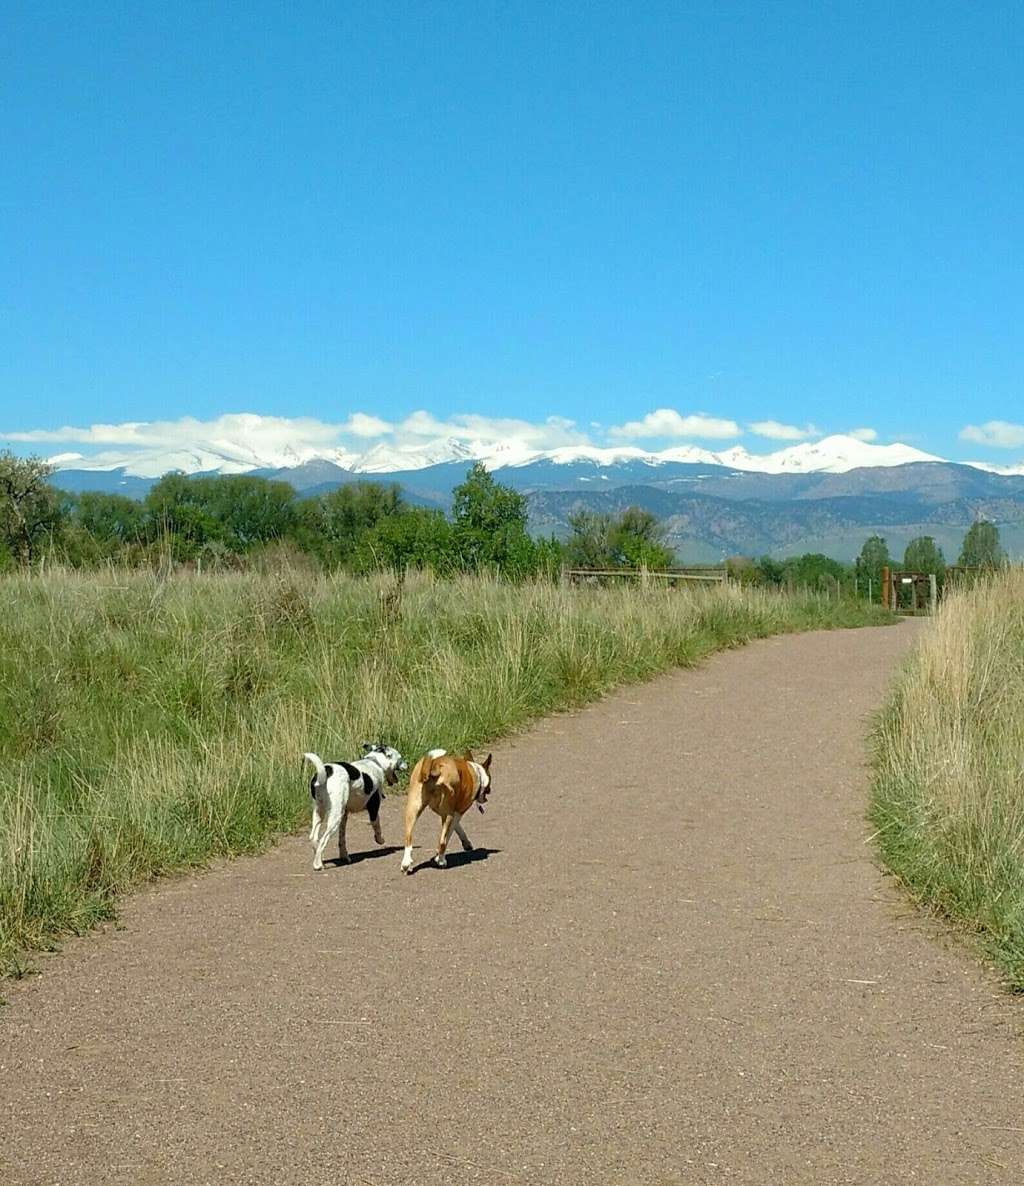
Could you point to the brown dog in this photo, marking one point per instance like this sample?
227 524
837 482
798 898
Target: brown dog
449 786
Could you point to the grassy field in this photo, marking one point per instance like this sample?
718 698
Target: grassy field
948 796
148 725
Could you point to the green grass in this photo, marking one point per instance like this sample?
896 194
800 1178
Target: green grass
948 790
147 726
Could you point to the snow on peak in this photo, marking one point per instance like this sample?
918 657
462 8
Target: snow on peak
383 459
1004 471
689 455
568 454
232 459
833 455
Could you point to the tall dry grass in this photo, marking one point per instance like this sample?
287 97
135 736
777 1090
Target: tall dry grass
948 796
147 725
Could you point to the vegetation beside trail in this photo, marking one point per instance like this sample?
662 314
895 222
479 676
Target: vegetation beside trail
948 793
147 725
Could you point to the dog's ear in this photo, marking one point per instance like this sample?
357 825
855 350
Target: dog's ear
367 746
467 755
486 763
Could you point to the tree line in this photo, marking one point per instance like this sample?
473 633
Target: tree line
230 521
981 549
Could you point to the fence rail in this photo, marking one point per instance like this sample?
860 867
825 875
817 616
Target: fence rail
702 575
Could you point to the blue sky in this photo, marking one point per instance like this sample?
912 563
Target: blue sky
800 213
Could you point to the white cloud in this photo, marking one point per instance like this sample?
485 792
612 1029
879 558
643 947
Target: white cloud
235 427
246 439
863 434
775 431
667 422
551 433
361 425
997 434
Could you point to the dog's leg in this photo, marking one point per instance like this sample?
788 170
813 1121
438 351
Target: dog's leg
315 825
373 807
342 847
413 810
461 833
441 861
326 832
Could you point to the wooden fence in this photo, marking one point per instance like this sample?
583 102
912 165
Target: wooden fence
699 574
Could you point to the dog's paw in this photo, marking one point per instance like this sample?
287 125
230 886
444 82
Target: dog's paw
441 861
407 868
344 858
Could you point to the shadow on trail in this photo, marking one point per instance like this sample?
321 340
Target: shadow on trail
385 850
456 859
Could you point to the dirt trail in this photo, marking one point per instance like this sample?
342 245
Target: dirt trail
674 962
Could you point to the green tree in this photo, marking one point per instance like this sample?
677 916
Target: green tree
411 538
30 508
874 556
236 511
251 510
334 525
588 544
489 525
548 556
637 540
109 518
99 527
924 555
632 539
773 572
981 547
177 515
813 570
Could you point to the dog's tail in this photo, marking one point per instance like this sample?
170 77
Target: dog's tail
434 767
321 770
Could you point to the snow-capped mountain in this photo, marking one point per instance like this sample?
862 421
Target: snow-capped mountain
831 455
389 459
834 454
1006 471
223 458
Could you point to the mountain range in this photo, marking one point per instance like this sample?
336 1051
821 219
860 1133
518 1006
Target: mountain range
823 496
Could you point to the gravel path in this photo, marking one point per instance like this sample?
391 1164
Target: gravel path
674 961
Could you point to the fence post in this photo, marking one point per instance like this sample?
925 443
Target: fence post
933 593
885 586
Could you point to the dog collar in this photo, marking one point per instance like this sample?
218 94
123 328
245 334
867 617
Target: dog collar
383 770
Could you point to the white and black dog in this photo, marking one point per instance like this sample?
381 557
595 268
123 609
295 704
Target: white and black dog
339 788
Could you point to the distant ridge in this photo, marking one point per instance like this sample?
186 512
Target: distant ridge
832 454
